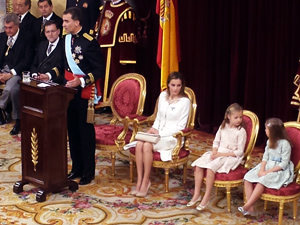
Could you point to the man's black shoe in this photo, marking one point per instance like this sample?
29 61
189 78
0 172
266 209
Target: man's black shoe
86 180
72 176
16 129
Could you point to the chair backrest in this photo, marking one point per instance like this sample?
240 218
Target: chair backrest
127 96
191 95
251 125
293 131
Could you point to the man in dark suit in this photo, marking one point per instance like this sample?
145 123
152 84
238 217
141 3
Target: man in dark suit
46 9
48 64
16 54
21 8
90 12
84 65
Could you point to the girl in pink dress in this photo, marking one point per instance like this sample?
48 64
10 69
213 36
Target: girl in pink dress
227 153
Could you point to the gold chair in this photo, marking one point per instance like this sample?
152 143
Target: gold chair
235 177
290 193
180 154
126 101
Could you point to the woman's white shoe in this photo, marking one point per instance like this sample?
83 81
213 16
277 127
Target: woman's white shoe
195 202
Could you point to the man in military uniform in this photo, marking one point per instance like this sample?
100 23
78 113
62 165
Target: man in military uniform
117 38
84 65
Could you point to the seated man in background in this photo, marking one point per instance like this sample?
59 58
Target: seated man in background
16 53
46 10
48 64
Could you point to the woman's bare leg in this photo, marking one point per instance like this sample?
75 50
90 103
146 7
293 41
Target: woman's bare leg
210 179
199 174
147 160
139 163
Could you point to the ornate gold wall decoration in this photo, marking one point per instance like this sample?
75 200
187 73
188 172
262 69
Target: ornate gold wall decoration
34 148
9 6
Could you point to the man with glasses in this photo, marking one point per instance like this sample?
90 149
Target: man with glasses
21 8
46 10
48 64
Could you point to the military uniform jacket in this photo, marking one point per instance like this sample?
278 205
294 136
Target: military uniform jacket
53 64
88 57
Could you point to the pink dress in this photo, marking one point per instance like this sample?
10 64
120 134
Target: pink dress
226 140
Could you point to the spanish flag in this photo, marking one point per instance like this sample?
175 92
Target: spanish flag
168 50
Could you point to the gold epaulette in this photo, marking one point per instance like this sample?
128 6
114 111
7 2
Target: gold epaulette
87 36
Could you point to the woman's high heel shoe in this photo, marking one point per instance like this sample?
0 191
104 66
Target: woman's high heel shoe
134 192
195 202
144 194
200 207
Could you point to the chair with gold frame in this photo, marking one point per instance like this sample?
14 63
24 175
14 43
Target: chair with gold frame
290 193
235 177
126 100
180 154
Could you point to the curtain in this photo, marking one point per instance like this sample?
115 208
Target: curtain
243 51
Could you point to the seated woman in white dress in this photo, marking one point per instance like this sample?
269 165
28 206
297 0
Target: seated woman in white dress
275 170
227 154
172 116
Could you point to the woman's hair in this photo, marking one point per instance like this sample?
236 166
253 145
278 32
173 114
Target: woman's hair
276 131
232 108
176 75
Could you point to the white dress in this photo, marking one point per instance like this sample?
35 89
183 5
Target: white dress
274 157
170 119
226 140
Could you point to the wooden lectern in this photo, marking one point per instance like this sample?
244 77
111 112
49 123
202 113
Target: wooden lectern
44 138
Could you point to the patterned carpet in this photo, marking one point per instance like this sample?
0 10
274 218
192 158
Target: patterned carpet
107 200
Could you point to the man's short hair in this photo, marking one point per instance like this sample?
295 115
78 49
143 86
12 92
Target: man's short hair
75 12
49 2
50 22
11 17
28 2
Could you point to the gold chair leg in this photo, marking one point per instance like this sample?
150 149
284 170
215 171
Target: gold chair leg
167 180
228 194
217 191
131 170
113 160
295 209
281 205
266 205
184 172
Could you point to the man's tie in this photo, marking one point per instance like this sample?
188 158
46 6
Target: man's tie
20 18
9 44
49 49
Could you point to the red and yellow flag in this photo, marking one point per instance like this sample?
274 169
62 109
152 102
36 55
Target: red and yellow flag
168 50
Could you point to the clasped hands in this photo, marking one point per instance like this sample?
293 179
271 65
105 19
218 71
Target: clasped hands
42 77
5 76
73 83
214 154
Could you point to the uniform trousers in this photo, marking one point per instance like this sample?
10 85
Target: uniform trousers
81 138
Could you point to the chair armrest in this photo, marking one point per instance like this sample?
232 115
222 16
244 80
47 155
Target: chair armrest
185 133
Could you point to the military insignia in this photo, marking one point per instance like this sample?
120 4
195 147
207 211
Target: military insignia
85 5
77 49
80 57
77 61
73 55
